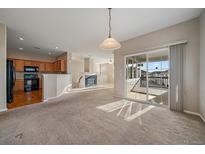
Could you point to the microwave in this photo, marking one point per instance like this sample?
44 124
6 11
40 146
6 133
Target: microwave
31 69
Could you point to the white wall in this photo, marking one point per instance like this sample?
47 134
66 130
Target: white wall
86 64
202 64
185 31
3 103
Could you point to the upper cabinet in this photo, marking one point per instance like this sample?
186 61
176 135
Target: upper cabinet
49 67
42 67
59 66
27 63
35 63
62 66
19 65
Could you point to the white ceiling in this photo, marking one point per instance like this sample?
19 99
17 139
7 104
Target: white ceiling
82 30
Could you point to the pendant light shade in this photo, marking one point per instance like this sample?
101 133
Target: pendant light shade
110 43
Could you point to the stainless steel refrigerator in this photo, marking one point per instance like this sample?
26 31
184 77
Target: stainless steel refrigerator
11 79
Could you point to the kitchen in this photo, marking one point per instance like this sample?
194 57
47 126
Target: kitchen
35 77
25 78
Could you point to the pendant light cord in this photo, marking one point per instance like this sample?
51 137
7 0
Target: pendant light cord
109 23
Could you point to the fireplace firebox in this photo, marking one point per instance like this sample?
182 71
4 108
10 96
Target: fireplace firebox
90 80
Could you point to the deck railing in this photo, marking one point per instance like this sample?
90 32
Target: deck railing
154 82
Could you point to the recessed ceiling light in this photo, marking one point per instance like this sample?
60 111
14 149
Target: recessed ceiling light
56 47
20 38
37 48
21 49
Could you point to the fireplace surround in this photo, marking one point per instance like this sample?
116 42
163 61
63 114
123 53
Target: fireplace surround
90 80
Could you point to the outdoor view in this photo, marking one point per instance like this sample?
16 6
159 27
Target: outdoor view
147 77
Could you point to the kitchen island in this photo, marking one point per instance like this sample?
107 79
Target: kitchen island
55 85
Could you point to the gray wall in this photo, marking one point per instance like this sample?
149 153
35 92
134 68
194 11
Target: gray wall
86 64
106 74
76 67
16 54
184 31
202 64
2 67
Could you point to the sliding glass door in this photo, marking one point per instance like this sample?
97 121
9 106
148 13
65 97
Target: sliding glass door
136 67
147 77
158 77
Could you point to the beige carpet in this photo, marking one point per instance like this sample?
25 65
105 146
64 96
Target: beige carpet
78 118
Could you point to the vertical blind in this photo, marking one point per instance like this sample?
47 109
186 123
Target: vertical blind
176 77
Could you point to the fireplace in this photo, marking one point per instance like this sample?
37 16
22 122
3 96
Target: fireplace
90 80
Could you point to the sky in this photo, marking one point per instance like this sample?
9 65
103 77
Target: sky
153 66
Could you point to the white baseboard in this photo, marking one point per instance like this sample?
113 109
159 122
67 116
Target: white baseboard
3 110
195 113
190 112
119 96
76 91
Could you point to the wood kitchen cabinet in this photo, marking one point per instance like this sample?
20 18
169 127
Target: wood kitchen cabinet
19 85
59 66
35 63
27 63
40 83
49 67
42 67
62 65
55 69
19 65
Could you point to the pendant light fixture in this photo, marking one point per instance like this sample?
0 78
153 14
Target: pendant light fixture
110 43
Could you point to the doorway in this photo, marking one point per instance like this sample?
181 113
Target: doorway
147 77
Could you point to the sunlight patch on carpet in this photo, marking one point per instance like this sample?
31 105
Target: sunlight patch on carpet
139 113
125 109
113 106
